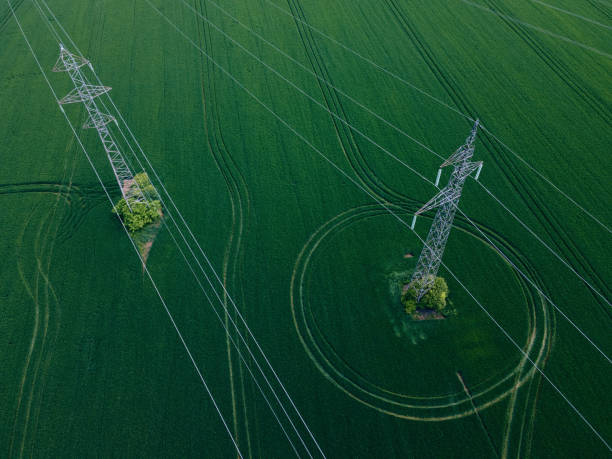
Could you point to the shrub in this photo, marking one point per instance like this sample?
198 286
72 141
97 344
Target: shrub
139 214
434 299
410 306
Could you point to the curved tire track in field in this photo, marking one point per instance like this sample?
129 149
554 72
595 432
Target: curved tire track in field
332 100
400 405
33 340
80 198
42 330
369 178
446 80
81 203
240 204
528 411
46 250
43 253
512 404
33 355
523 445
456 95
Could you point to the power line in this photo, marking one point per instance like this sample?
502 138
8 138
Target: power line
380 202
128 234
538 29
548 181
210 301
579 16
302 66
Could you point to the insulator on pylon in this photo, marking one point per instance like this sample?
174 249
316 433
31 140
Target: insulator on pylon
438 177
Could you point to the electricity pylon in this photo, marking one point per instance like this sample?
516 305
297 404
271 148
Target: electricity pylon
446 201
86 93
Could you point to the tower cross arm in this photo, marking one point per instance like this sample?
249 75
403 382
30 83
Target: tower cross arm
68 61
442 197
83 93
468 168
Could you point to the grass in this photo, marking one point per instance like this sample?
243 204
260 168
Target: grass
92 365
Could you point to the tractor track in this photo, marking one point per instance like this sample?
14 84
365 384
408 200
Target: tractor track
240 204
332 100
452 88
571 80
48 245
333 367
601 8
57 228
42 293
80 198
35 326
7 14
530 403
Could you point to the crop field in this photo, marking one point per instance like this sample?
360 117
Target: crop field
291 142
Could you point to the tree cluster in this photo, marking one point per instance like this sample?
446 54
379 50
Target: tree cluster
434 299
139 214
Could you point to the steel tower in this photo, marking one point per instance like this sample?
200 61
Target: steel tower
446 201
86 93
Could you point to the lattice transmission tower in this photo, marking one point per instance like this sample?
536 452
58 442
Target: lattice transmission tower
446 200
86 93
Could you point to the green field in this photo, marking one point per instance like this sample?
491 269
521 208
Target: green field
90 364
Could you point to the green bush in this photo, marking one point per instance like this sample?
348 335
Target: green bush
410 306
139 214
434 299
